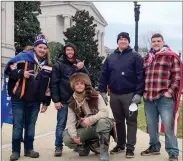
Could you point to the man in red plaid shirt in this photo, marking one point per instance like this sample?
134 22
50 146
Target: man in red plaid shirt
162 92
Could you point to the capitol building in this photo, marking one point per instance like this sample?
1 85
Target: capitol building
55 18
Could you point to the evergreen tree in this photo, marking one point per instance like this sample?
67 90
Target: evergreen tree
56 51
27 26
82 35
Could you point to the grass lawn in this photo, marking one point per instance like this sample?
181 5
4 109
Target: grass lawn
142 120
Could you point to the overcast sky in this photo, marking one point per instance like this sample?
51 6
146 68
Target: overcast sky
165 17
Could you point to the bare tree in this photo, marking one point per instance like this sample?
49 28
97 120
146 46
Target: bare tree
145 42
145 39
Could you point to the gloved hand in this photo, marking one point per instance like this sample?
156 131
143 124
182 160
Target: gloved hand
136 99
105 98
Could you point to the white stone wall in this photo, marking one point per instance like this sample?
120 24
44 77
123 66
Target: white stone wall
7 28
60 29
56 18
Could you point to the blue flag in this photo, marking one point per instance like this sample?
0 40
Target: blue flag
6 110
6 106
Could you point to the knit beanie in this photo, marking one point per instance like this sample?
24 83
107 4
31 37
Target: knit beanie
40 39
123 35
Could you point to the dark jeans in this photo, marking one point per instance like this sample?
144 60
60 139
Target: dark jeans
24 116
61 124
163 107
120 108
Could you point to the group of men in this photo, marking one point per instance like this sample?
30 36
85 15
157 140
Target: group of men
83 122
157 78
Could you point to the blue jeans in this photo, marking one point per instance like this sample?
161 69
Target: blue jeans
61 124
165 108
24 116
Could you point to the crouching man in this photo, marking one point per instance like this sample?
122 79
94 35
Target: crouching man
87 118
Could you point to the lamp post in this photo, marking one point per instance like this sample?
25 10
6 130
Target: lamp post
137 13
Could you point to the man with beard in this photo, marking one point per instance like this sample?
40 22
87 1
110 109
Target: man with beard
61 90
87 118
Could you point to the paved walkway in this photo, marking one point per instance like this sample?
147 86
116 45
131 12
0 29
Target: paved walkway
44 144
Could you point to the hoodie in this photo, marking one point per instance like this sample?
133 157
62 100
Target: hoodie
61 72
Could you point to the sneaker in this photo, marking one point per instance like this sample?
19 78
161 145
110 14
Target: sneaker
117 149
173 158
129 153
14 156
31 154
83 150
150 151
58 152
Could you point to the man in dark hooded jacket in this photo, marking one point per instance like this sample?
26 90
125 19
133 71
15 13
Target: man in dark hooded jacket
61 90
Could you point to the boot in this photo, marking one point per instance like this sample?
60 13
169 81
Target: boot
14 156
58 152
104 139
31 154
94 145
83 150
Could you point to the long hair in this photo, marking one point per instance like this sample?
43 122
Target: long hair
29 48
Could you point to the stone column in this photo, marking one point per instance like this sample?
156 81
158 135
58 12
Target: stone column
7 38
7 43
67 22
102 44
99 42
72 22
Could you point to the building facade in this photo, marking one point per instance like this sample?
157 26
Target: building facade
56 18
7 33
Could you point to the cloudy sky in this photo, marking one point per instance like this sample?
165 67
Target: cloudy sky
163 17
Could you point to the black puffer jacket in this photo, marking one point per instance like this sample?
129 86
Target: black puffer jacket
61 72
60 86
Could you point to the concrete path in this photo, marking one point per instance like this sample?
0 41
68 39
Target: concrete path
44 144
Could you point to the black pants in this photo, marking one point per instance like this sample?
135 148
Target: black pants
120 108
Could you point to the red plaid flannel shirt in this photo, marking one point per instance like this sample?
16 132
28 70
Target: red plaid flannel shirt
162 74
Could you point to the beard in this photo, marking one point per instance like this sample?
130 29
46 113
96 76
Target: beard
79 92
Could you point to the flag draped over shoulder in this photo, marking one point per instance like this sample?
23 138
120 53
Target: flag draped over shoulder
178 95
6 108
169 52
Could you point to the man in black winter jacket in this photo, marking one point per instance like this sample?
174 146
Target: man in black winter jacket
61 90
123 73
28 87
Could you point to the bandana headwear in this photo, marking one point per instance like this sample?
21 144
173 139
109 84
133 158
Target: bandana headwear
40 39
